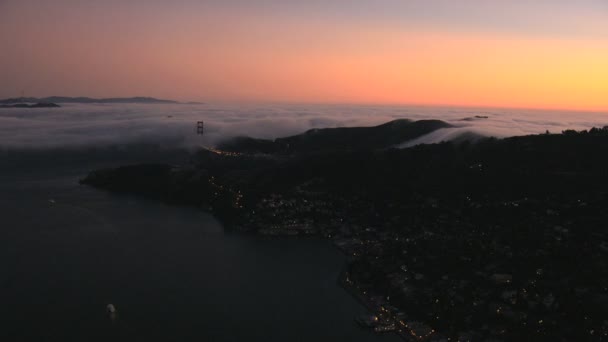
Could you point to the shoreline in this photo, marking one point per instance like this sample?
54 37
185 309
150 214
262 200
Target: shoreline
387 321
430 226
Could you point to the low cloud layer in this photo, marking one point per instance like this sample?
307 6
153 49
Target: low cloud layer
75 125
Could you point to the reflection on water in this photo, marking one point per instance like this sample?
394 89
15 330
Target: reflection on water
172 273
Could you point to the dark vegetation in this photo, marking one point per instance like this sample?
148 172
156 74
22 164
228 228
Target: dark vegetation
494 240
338 139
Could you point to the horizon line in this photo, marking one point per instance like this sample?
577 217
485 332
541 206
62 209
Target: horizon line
336 103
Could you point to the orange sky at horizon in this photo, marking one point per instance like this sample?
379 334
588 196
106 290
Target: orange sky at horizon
239 58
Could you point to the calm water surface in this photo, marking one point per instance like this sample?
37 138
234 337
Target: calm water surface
67 250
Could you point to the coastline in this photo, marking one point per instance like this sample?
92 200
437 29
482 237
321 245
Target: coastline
385 318
426 230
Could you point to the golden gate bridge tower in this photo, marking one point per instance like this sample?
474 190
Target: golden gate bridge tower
200 127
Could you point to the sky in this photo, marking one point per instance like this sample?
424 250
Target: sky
496 53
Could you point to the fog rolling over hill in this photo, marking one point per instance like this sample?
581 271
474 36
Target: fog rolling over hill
76 125
515 225
344 138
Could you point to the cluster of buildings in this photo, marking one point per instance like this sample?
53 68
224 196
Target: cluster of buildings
468 270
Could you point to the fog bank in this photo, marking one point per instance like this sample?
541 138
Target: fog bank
77 125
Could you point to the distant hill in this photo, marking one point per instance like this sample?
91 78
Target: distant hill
63 99
342 138
27 105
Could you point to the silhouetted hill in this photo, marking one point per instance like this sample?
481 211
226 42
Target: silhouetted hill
62 99
516 226
337 139
27 105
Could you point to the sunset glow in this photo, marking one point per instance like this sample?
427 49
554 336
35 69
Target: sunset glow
552 55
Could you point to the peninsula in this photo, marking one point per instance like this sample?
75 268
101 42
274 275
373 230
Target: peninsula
497 239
